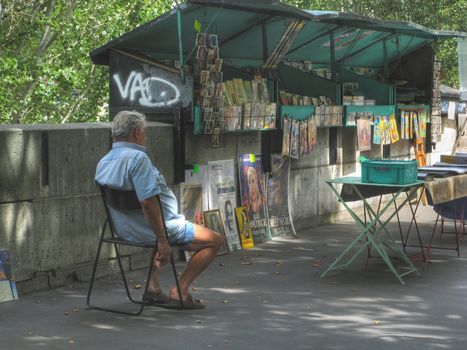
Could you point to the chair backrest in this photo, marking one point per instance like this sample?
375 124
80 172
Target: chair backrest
119 199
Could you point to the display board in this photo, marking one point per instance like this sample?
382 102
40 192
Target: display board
223 196
277 191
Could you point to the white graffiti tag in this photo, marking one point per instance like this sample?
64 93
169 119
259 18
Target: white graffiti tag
153 91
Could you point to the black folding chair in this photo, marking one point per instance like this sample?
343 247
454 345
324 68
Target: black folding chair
126 201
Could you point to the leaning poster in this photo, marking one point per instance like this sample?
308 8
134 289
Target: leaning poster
7 278
222 196
277 190
253 195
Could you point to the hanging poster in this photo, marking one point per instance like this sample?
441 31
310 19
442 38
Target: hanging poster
304 149
277 190
312 134
8 290
223 196
244 227
199 175
286 137
364 134
393 128
295 139
253 195
423 124
376 131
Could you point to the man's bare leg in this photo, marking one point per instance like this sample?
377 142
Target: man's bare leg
206 244
154 286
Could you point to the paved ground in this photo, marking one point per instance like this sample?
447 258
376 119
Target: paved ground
271 297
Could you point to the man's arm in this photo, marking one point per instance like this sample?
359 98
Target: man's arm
152 211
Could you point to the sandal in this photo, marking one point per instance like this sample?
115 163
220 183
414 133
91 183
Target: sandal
190 303
155 299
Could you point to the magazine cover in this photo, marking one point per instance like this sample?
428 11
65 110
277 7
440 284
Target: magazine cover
213 221
286 137
222 196
243 225
278 203
295 139
8 290
253 195
363 134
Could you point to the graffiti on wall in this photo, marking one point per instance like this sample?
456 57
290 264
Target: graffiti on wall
150 91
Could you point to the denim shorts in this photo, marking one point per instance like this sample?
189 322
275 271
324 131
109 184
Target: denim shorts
186 237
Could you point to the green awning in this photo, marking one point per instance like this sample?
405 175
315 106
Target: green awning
248 31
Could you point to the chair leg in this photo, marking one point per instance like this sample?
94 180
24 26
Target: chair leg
94 269
91 285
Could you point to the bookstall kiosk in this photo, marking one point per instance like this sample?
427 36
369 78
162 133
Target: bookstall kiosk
306 61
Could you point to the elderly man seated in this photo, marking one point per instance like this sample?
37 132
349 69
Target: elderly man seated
127 167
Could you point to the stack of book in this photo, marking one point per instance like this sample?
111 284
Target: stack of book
248 104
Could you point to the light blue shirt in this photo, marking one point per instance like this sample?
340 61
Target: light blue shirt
127 167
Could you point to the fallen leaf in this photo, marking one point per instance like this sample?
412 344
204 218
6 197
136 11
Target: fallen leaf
277 263
38 301
376 322
71 341
75 310
137 286
221 264
225 301
247 263
66 313
277 273
193 289
199 321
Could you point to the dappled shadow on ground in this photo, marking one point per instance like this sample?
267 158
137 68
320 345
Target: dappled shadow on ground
270 297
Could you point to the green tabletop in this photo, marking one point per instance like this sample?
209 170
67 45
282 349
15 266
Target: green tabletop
356 180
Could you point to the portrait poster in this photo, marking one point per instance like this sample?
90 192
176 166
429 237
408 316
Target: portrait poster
223 196
364 134
244 227
286 137
295 139
253 195
199 175
280 223
8 289
213 221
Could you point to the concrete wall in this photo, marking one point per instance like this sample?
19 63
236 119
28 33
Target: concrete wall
51 212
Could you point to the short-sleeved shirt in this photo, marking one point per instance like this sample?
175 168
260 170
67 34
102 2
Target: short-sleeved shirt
127 167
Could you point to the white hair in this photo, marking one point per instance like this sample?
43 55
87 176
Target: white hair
126 121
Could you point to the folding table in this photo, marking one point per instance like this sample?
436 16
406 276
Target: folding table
374 232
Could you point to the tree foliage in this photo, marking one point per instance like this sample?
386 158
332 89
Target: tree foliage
44 56
47 76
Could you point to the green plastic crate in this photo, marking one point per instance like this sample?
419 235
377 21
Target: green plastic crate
387 171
